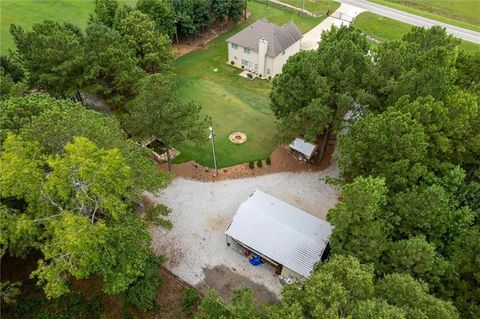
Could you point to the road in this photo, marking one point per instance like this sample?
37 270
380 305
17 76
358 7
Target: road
412 19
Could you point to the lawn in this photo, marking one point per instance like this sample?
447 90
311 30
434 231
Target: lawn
233 103
386 29
315 6
28 12
462 13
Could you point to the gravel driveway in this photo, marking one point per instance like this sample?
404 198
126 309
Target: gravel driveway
201 212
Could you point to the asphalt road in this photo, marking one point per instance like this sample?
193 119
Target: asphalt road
461 33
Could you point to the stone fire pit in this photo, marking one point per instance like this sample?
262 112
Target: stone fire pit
237 137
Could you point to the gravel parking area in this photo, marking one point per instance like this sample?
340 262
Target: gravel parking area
201 211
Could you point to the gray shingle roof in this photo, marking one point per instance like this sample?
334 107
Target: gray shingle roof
279 38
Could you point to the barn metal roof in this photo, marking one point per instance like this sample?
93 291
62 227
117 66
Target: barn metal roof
280 232
303 147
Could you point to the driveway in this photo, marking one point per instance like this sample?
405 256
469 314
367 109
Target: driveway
412 19
201 211
344 15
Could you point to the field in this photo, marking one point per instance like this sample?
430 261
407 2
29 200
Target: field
462 13
234 103
28 12
386 29
315 6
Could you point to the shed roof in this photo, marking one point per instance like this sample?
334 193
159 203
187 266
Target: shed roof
279 38
281 232
303 147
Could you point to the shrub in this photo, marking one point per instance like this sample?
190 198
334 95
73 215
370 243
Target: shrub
269 77
268 161
191 300
143 291
157 215
232 62
260 75
243 66
259 163
251 164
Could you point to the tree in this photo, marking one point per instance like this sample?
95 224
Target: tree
81 203
9 88
157 112
16 113
468 66
59 125
53 55
11 68
161 12
228 9
390 145
361 229
421 64
111 66
192 16
464 255
316 89
405 292
104 12
152 48
450 126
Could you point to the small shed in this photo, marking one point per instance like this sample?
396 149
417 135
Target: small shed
290 239
307 150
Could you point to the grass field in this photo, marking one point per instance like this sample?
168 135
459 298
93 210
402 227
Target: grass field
28 12
386 29
315 6
234 103
462 13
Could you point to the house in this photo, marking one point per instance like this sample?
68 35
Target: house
290 239
304 149
264 47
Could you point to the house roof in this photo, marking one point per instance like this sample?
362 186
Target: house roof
303 147
279 38
281 232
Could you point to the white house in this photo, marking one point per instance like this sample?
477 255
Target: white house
288 238
264 47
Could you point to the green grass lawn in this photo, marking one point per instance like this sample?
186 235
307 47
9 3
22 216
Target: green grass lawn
28 12
462 13
234 103
315 6
386 29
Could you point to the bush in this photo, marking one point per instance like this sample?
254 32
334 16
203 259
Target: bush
157 215
269 77
143 291
191 300
243 66
251 164
232 62
260 75
259 163
268 161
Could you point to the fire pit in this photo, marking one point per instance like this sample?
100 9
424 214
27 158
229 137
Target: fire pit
237 137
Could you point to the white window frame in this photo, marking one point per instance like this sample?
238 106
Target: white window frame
234 46
246 50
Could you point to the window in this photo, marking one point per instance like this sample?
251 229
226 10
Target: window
234 46
246 50
283 53
268 71
235 57
244 62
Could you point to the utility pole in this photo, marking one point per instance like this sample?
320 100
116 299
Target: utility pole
212 138
245 9
303 6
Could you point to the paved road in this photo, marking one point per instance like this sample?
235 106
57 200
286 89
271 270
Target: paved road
462 33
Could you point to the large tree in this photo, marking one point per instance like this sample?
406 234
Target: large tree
157 112
111 65
152 48
391 145
53 55
361 227
161 12
316 89
77 210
